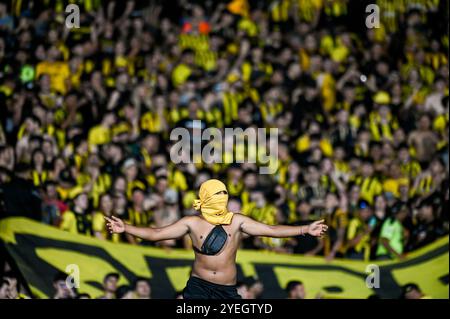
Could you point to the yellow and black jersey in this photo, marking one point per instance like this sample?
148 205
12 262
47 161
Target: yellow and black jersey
180 74
214 117
410 169
265 214
442 144
147 76
336 221
60 5
199 43
341 167
139 218
131 185
146 158
308 9
370 187
311 192
355 228
152 122
99 225
279 10
436 59
245 198
231 101
100 186
234 190
248 26
426 73
424 186
177 180
58 72
303 144
193 41
206 59
361 151
79 160
248 68
282 172
176 114
292 190
328 91
328 184
39 178
335 8
99 135
382 130
440 124
269 111
48 100
392 185
392 10
75 223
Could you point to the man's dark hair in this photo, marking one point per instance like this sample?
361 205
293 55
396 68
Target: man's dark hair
409 287
111 274
367 160
10 274
122 291
60 276
22 167
36 138
240 284
249 172
292 284
402 146
308 82
315 137
250 281
5 171
36 119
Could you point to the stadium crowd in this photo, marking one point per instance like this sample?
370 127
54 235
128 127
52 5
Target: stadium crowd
362 114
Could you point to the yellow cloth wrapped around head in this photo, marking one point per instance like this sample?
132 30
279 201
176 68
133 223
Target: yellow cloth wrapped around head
212 205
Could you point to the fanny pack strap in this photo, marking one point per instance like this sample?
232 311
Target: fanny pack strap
214 242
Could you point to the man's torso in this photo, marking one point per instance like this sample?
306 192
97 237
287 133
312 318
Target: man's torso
219 268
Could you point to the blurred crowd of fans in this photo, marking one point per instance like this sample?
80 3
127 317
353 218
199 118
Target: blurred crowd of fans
362 113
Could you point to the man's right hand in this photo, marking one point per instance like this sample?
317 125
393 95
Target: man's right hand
115 225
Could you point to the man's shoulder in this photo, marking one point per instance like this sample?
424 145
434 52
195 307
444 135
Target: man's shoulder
191 219
238 218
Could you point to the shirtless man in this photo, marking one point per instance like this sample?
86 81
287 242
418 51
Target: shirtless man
216 234
424 140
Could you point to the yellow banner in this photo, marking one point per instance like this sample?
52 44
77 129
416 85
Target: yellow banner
40 251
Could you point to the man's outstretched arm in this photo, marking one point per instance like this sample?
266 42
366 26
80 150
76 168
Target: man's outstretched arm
254 228
173 231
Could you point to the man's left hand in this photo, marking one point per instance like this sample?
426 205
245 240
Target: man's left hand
318 228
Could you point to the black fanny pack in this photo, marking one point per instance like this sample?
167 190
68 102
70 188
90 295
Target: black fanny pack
214 242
